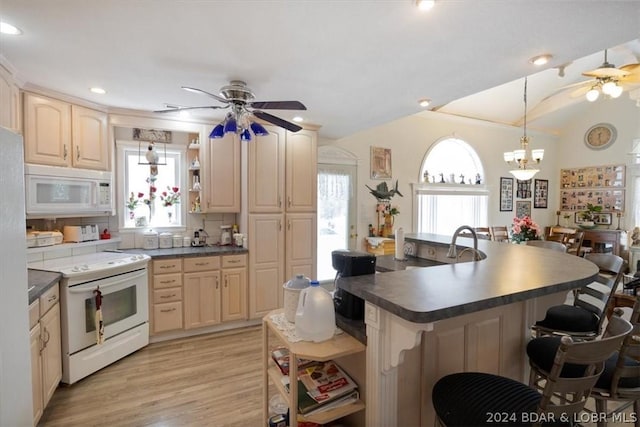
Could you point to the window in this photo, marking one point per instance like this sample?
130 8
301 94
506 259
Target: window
140 205
444 203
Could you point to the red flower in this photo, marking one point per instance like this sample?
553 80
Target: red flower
140 195
175 189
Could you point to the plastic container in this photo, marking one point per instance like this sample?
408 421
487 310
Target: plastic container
315 316
292 291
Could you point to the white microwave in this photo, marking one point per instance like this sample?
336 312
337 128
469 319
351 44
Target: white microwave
53 191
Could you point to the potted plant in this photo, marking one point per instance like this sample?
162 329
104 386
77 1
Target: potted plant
588 216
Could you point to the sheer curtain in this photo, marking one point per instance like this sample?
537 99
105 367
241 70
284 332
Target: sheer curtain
441 212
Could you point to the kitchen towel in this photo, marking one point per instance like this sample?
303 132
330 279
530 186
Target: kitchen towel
399 243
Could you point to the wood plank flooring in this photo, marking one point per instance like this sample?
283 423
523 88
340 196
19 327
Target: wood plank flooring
207 380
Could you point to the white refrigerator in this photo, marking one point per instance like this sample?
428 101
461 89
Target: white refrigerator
15 357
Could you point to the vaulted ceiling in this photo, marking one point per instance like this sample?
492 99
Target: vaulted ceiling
354 64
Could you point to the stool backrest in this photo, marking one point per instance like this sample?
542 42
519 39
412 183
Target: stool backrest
547 244
596 296
624 372
591 354
499 233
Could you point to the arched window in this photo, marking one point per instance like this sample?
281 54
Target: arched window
452 192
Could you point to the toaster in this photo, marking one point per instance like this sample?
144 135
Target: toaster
36 239
80 233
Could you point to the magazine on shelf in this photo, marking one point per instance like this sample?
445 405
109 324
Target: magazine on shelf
280 355
320 384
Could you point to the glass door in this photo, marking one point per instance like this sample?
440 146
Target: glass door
336 214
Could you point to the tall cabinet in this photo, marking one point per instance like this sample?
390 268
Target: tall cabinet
282 188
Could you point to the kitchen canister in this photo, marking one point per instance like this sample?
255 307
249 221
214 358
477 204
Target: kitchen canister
150 239
186 241
166 240
292 291
315 316
177 241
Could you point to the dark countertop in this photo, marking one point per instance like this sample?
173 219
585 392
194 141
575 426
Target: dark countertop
40 281
508 274
191 251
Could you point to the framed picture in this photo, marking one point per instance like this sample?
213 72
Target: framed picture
523 208
154 135
599 218
380 163
540 193
524 189
506 194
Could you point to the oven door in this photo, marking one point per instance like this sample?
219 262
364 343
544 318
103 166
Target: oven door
124 306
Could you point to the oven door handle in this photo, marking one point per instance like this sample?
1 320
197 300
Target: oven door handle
80 289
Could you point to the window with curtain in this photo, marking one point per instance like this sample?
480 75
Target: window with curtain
443 208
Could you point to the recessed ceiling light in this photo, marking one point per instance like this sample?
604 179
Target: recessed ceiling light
98 90
298 119
425 5
424 102
541 59
9 29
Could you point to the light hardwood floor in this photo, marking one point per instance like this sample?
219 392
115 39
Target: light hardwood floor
208 380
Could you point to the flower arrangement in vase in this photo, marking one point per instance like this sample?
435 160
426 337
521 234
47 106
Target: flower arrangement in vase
132 203
524 229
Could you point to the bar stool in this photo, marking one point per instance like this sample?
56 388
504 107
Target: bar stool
476 398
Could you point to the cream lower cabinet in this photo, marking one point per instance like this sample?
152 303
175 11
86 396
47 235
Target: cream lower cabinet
166 295
46 349
202 293
234 287
280 247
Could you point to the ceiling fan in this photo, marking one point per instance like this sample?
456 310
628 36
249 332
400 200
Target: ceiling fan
239 98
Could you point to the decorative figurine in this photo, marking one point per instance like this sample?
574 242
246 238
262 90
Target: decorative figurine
441 178
461 179
635 237
477 179
425 176
452 178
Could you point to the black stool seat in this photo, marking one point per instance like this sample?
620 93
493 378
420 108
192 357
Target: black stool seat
476 399
569 318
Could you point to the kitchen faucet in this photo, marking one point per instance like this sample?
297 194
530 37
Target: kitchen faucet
453 252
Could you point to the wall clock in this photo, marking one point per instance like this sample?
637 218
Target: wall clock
600 136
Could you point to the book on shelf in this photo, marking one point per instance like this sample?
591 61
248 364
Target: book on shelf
280 356
322 384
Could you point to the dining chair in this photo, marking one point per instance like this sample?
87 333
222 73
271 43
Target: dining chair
584 318
574 243
476 398
483 233
499 233
620 380
560 234
556 246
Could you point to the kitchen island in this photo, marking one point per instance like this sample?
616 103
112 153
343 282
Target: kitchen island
423 323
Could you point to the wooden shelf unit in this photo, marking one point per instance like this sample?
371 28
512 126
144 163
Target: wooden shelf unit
338 346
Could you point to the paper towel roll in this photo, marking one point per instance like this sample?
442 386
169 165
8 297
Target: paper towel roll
399 243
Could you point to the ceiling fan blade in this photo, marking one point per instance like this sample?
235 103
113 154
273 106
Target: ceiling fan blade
278 105
170 110
276 121
634 73
195 90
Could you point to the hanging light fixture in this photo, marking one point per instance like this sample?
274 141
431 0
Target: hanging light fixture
520 157
239 122
607 77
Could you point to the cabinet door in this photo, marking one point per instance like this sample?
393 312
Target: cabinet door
47 131
167 317
36 373
201 299
266 263
9 102
51 353
234 294
301 236
266 171
302 171
222 174
89 136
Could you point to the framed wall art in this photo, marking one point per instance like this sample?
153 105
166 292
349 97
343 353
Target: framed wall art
599 218
523 208
524 189
380 163
540 193
506 194
154 135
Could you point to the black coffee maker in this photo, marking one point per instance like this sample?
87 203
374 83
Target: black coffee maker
350 263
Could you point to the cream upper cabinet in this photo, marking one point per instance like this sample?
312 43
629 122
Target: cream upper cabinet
266 172
57 133
301 171
300 235
9 102
222 175
89 135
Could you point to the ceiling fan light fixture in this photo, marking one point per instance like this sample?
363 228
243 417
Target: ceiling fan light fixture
608 87
616 91
230 125
593 94
258 129
245 135
217 132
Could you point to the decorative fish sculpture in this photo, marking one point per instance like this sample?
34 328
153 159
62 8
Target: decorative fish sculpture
382 191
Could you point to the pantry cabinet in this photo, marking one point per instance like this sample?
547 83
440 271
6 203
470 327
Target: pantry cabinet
46 350
9 101
221 186
57 133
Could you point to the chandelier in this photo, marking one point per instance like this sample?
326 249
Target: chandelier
238 121
521 158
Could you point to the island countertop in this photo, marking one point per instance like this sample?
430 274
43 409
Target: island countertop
509 273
